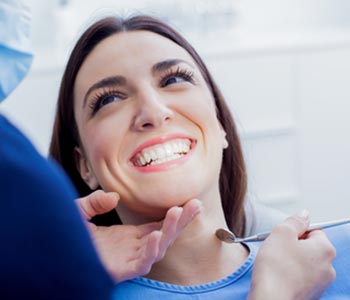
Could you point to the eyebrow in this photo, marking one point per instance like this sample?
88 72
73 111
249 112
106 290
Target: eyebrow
105 82
166 64
121 80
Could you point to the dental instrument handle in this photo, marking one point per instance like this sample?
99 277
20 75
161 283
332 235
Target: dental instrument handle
315 226
323 225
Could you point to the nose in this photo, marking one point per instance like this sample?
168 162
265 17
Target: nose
152 111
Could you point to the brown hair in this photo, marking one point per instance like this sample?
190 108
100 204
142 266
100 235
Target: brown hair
65 137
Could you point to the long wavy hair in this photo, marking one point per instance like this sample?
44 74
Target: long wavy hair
65 137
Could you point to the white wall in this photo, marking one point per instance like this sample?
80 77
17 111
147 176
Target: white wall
292 105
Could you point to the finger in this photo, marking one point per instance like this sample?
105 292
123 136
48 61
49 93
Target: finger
170 230
171 220
99 202
191 209
323 244
147 228
315 233
298 223
149 254
174 222
176 219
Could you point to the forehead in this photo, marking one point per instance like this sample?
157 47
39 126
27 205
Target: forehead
135 50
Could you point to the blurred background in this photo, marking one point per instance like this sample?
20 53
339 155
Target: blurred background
283 66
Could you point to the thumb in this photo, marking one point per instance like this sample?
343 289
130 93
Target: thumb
97 203
299 222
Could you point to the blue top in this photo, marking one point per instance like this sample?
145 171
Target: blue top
237 285
45 251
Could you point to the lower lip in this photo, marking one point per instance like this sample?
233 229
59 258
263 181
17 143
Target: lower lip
167 165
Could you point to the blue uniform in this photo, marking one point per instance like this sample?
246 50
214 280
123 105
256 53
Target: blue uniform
236 286
45 251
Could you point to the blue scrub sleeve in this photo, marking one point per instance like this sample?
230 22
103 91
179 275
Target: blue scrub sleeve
46 251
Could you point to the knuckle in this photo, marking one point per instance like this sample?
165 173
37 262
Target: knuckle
330 275
329 251
333 274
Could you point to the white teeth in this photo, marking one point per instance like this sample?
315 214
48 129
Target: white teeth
146 157
176 148
186 148
153 155
165 159
163 152
142 161
168 149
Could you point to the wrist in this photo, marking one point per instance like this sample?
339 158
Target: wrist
269 290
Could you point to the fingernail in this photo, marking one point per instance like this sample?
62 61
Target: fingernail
304 214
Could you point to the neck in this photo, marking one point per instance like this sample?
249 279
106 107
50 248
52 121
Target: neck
185 262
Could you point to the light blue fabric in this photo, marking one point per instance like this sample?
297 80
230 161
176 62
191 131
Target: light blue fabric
236 285
340 288
15 51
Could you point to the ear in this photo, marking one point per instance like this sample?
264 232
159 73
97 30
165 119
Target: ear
224 140
85 169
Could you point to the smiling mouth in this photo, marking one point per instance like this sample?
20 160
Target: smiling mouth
162 153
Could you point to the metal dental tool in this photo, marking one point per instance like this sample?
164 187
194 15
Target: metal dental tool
229 237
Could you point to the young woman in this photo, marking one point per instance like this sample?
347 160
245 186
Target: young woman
139 114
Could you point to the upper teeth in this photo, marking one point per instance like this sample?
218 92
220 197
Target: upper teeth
161 153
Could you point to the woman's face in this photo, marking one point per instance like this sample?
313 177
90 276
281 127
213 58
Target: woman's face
147 124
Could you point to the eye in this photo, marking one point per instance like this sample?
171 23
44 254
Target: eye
174 79
108 99
104 98
176 76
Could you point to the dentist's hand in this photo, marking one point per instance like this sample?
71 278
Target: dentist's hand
292 264
128 251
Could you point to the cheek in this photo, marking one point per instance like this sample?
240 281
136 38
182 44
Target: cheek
200 107
206 118
100 141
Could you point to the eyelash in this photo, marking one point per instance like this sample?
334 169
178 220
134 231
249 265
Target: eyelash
178 72
100 96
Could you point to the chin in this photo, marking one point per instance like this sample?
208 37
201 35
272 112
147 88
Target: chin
176 195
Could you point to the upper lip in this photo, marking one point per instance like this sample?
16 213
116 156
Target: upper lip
160 140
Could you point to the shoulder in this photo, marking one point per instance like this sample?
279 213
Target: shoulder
46 251
23 167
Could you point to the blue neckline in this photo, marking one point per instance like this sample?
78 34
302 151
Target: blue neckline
205 287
